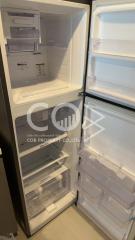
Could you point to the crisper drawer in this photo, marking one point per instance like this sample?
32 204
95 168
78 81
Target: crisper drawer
47 193
109 176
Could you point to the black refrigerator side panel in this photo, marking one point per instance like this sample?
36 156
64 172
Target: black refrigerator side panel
8 223
8 146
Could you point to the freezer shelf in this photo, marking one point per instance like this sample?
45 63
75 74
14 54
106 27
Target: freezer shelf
47 193
110 176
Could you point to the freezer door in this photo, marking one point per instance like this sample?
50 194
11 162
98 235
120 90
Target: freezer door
107 167
110 72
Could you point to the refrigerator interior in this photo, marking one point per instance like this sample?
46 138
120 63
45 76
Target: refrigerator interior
107 168
45 53
48 168
111 56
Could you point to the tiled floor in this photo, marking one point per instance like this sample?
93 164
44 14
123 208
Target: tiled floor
70 225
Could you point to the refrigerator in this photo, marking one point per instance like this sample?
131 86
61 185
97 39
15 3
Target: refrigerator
67 82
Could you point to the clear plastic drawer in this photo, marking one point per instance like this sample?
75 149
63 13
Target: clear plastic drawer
47 194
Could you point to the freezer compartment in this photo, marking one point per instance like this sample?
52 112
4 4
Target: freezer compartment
110 176
111 217
47 194
113 29
42 158
48 60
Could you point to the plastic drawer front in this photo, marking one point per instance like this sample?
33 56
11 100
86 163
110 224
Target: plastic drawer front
47 194
110 176
107 213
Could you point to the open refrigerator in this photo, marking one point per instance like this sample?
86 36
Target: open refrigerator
44 53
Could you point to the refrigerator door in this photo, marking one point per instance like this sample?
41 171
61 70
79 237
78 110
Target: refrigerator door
111 64
107 168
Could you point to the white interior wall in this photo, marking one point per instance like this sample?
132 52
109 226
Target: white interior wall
57 37
28 74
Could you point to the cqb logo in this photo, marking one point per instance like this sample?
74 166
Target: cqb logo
68 123
64 124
